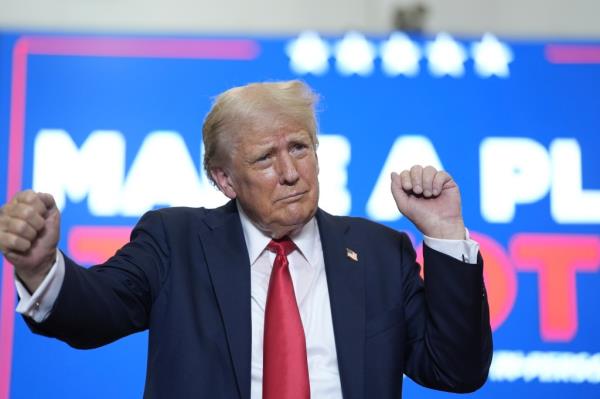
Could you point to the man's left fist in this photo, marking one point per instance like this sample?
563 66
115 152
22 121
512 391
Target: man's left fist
430 199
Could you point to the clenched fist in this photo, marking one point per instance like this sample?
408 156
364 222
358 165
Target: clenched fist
29 232
431 200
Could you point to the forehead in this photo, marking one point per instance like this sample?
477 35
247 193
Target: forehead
268 130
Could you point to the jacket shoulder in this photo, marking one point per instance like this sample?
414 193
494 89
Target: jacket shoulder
360 225
186 215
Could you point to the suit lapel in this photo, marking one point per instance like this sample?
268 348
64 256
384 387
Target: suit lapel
229 268
345 280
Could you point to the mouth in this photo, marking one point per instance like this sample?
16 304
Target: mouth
292 197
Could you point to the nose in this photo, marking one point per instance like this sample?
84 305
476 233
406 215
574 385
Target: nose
288 173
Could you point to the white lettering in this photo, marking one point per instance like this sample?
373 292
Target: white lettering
406 152
163 174
513 171
334 156
569 202
95 170
546 367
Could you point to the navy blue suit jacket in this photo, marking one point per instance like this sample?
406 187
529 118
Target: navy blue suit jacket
185 276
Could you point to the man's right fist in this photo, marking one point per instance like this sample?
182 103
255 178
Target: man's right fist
29 232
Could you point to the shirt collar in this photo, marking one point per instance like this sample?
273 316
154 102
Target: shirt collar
305 239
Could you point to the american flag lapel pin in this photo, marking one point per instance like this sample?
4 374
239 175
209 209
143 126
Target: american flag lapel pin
351 255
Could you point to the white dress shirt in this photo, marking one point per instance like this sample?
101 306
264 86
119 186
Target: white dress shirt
307 269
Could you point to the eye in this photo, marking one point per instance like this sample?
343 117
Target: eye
263 158
298 147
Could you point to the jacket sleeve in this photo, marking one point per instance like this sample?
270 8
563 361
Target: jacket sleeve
449 340
101 304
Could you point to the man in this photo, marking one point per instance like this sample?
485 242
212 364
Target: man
269 296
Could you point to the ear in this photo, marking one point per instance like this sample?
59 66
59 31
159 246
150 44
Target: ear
224 182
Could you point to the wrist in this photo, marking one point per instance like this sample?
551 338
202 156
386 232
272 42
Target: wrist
449 231
33 277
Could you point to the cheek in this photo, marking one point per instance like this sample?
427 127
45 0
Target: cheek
310 173
260 187
258 179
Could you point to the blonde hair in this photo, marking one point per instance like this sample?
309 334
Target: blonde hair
242 105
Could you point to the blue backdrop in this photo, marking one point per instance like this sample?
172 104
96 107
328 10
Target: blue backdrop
517 125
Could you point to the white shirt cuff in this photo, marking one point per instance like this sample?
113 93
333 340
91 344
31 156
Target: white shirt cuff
39 304
464 250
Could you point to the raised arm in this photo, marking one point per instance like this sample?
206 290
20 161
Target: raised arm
449 341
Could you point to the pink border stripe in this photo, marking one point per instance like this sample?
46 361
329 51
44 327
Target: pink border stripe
154 48
213 49
14 178
573 54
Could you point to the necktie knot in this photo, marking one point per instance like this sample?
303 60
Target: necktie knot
283 246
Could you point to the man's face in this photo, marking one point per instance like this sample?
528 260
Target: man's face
272 171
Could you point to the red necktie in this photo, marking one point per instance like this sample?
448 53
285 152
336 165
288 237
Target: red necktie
285 368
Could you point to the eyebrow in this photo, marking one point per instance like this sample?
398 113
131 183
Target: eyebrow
300 136
293 137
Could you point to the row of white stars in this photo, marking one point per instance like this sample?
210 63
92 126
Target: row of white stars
354 54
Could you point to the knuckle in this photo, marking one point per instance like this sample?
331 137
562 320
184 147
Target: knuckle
15 226
27 212
8 208
27 195
13 241
14 209
20 227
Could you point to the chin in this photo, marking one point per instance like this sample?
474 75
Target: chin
300 219
294 215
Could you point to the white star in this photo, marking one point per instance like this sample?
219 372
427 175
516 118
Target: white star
354 54
308 54
446 56
400 55
491 57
